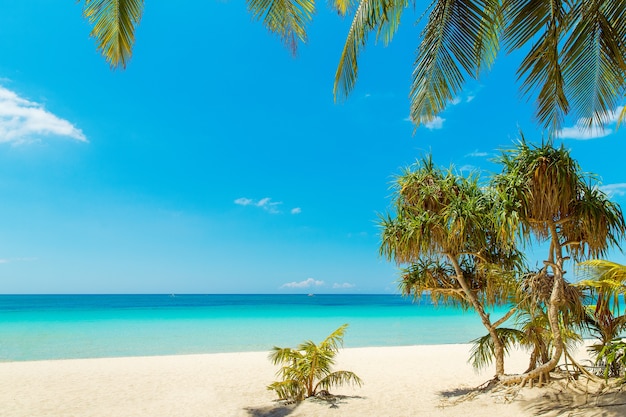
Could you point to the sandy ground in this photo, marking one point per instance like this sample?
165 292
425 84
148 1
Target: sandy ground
398 381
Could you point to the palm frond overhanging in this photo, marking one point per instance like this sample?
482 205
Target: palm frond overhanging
114 25
287 18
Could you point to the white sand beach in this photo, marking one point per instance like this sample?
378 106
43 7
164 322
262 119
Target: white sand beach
398 381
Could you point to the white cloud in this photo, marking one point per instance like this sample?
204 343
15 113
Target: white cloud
309 282
22 121
345 285
477 154
436 123
455 101
612 190
265 203
467 168
580 132
6 261
296 210
243 201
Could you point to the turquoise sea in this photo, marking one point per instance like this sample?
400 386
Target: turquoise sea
35 327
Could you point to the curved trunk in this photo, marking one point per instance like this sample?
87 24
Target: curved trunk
557 298
498 347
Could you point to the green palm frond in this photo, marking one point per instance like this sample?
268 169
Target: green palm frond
341 6
286 18
460 37
544 23
601 272
114 24
594 61
334 341
338 378
288 389
382 16
482 353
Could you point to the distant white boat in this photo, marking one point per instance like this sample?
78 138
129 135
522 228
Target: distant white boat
311 295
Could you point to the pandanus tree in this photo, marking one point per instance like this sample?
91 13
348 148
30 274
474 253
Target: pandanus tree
444 232
550 200
531 328
574 62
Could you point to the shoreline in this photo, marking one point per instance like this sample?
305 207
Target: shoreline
419 380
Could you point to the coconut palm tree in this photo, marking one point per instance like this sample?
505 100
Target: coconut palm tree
551 200
307 369
444 228
575 54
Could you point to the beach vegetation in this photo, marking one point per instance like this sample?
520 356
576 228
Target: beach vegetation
445 232
548 199
606 284
307 369
573 54
459 241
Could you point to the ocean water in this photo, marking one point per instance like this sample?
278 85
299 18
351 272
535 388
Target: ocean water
36 327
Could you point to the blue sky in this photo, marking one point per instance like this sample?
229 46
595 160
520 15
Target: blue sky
217 162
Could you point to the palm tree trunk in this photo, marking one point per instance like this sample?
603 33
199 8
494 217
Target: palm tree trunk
498 347
557 298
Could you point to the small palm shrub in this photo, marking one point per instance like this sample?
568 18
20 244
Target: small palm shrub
612 359
307 369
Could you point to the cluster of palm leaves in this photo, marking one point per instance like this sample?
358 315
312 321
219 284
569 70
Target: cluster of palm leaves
460 241
574 54
605 318
307 369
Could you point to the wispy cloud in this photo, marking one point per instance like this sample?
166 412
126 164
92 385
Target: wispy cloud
580 132
476 154
296 210
307 283
265 203
435 124
24 121
6 261
467 168
612 190
343 286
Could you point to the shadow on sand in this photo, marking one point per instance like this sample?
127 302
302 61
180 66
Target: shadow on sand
575 403
283 410
272 411
560 398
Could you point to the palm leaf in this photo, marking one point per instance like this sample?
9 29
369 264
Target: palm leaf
483 351
594 60
544 23
287 18
459 37
338 378
380 15
289 389
114 23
